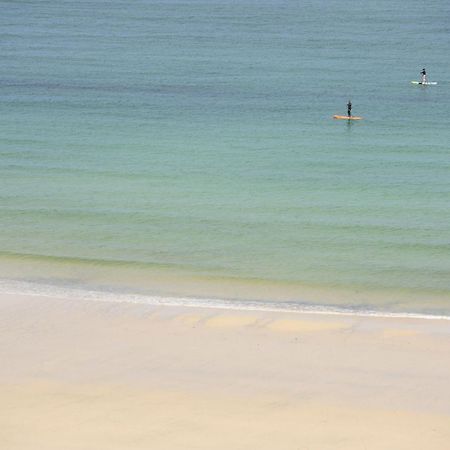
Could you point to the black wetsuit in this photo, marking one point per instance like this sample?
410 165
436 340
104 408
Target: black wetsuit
349 109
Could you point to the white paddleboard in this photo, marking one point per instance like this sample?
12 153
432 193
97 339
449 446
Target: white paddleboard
426 83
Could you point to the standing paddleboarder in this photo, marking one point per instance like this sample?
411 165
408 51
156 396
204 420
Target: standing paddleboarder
424 76
349 108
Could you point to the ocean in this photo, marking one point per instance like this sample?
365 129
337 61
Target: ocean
186 150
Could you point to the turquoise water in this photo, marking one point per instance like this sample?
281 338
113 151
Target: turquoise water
194 140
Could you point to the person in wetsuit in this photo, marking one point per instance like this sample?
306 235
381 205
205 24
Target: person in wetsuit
424 76
349 108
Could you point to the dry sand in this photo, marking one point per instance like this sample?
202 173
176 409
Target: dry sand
95 376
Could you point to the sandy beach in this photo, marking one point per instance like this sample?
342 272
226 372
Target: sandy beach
99 375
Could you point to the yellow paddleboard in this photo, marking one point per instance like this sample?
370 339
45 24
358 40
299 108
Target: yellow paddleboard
347 117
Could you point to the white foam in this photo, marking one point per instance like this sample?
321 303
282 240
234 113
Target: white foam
14 287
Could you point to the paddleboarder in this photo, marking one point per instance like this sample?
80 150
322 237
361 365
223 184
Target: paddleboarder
349 108
424 75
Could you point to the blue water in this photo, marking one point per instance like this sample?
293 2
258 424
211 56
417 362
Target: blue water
194 139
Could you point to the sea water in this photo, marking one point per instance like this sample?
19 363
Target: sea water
188 148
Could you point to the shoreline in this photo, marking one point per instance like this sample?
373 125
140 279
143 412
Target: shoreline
59 276
10 287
